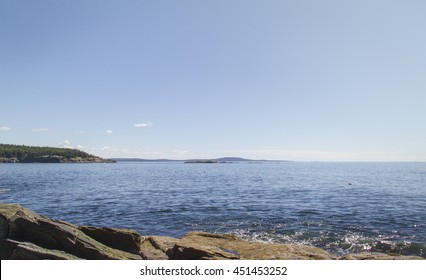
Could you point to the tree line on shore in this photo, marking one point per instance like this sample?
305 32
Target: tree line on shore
21 152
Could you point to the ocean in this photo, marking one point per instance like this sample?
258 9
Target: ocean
340 207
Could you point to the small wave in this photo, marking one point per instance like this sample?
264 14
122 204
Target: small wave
338 244
308 212
401 247
4 190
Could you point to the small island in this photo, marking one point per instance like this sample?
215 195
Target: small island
33 154
201 161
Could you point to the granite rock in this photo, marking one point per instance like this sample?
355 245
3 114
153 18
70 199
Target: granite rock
23 225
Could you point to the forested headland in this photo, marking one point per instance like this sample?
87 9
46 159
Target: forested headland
29 154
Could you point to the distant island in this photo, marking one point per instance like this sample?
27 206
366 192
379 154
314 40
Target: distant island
33 154
218 160
215 160
202 161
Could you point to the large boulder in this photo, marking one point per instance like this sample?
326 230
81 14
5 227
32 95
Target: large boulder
20 224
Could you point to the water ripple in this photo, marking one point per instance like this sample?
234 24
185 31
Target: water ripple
341 207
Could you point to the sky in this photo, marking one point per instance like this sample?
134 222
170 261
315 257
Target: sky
296 80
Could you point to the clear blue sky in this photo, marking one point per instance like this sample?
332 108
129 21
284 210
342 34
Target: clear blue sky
298 80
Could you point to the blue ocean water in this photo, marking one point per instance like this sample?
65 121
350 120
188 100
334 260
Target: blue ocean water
341 207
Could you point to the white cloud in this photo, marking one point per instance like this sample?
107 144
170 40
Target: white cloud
109 131
66 144
81 132
44 129
142 125
4 128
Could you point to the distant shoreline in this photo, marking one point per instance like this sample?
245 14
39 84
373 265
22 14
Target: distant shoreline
213 160
56 160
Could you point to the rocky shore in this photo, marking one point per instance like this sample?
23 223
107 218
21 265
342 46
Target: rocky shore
27 235
33 154
56 159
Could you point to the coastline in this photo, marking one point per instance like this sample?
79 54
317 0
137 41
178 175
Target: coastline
27 235
35 154
57 159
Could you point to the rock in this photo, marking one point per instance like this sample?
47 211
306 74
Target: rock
163 243
20 224
122 239
199 246
234 248
4 228
88 248
42 159
8 160
29 251
152 249
378 256
207 246
190 251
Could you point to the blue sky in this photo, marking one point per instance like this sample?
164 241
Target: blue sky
297 80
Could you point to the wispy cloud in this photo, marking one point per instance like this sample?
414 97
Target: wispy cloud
142 125
44 129
4 128
81 132
109 131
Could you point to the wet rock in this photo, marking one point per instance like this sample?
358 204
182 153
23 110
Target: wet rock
238 249
202 246
378 256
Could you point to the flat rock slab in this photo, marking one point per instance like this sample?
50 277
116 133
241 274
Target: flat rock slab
234 248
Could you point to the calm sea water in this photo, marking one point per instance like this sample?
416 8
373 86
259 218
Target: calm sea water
341 207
